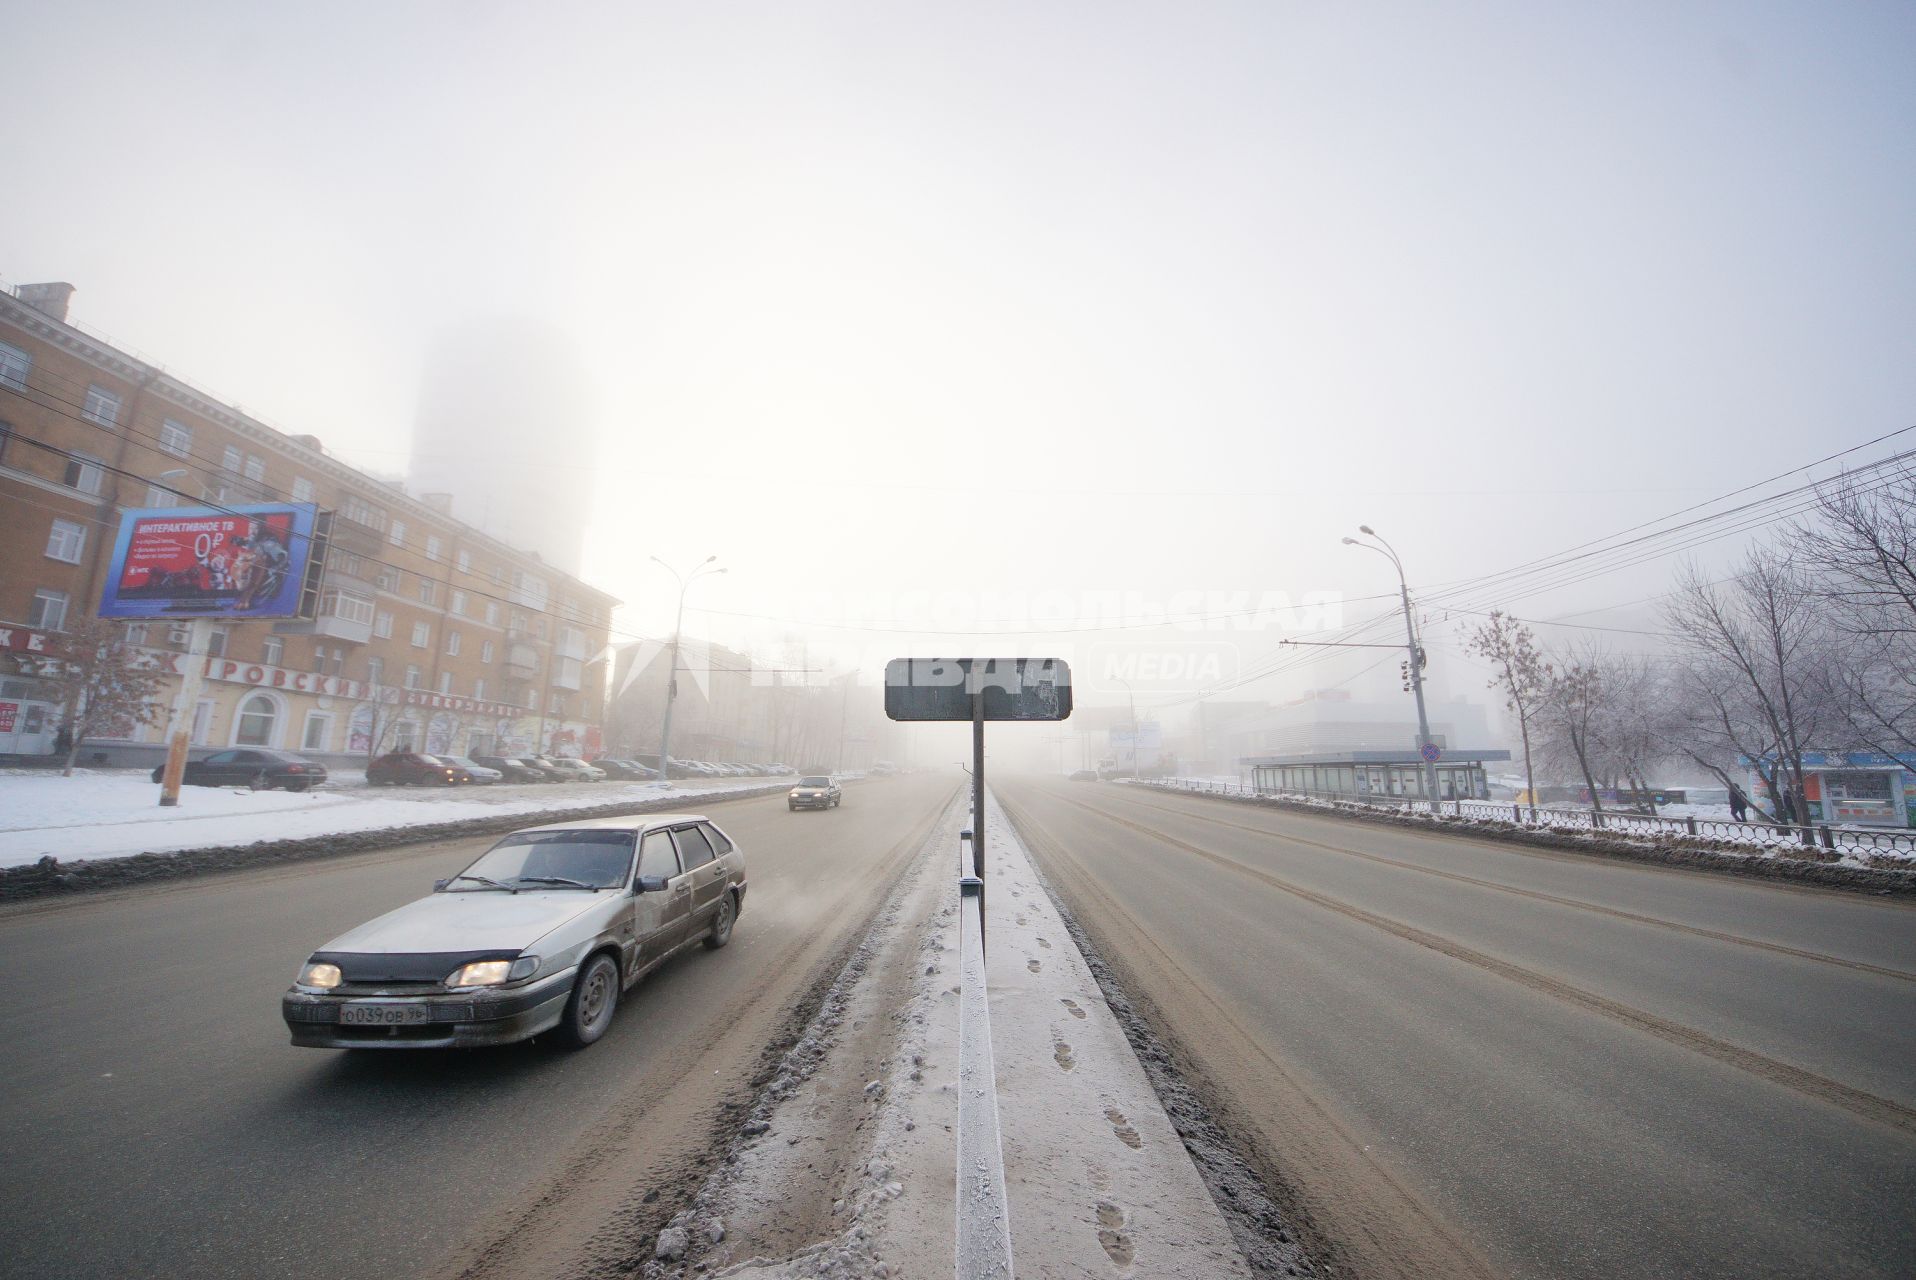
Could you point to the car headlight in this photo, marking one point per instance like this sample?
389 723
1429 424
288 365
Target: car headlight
322 975
491 973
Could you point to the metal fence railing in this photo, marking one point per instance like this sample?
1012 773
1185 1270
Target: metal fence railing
1821 836
983 1245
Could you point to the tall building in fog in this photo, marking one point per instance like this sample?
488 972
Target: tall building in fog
504 440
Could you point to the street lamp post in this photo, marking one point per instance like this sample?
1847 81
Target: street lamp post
1416 657
1132 694
672 665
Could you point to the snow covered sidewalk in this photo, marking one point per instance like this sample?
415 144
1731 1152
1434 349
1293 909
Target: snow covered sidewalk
116 814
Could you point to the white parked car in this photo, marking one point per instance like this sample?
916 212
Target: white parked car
541 934
578 770
479 772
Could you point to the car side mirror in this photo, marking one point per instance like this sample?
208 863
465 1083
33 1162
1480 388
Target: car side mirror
651 884
437 885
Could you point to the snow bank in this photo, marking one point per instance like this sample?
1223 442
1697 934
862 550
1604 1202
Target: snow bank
117 814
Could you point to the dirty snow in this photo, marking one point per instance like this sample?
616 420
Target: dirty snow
116 813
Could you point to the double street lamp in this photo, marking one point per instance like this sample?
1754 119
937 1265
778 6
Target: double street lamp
1416 656
685 580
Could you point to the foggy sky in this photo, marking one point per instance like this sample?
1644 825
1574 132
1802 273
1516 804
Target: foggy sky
998 298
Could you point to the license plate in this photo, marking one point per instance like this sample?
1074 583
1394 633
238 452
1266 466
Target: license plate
383 1015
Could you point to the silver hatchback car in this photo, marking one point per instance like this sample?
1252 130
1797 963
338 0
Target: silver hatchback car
542 933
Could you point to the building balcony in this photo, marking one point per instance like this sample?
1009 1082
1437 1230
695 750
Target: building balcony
328 625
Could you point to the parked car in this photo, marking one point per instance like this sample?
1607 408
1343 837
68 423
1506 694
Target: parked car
411 768
513 770
577 770
547 766
1084 775
541 934
255 767
625 770
480 773
814 791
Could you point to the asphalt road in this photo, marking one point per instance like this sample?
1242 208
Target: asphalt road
156 1122
1463 1058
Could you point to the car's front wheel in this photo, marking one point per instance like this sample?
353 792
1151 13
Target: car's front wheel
722 923
595 996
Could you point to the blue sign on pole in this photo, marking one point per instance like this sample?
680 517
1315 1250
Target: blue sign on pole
1430 751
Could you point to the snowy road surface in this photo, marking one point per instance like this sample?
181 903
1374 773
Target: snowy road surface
1472 1058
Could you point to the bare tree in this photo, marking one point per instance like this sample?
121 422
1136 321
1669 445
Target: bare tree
1633 720
105 683
1521 674
1755 646
1859 549
1572 713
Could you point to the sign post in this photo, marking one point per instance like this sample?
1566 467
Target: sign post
977 689
179 726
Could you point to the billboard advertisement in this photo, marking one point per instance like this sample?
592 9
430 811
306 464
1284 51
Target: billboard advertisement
192 562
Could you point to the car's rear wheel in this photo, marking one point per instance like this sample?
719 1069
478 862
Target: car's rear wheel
722 923
297 786
261 782
595 997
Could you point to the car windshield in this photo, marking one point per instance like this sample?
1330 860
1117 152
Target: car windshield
814 782
562 859
431 760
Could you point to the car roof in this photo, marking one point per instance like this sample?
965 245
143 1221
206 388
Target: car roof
624 822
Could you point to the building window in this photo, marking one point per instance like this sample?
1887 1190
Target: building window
396 533
83 473
101 406
435 548
387 579
428 591
231 459
360 511
406 735
136 633
14 367
176 438
457 602
348 605
216 641
345 562
383 625
485 651
255 469
319 731
159 496
412 676
465 561
375 670
258 718
479 689
492 613
302 489
421 635
498 575
273 650
65 541
49 611
445 682
452 642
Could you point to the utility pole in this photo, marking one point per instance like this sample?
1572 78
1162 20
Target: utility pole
672 664
1416 658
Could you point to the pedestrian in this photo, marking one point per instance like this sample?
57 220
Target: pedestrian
63 740
1739 803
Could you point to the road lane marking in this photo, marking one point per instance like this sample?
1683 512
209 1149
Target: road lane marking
1799 953
1860 1102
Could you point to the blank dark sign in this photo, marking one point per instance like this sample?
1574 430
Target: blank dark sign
1014 688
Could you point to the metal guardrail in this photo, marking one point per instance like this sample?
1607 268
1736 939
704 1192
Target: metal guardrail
983 1250
1759 834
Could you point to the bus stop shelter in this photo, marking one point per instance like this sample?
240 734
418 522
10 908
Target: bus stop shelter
1373 775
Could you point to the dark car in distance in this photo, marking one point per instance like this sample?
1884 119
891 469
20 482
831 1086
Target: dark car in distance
514 770
410 768
625 770
255 767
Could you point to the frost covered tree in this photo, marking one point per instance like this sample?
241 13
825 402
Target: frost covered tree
1522 676
1753 649
1859 553
1572 719
105 683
